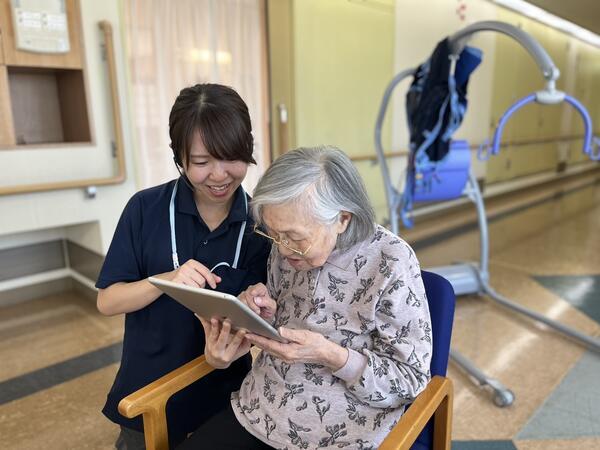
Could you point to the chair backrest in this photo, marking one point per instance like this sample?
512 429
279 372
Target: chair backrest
441 299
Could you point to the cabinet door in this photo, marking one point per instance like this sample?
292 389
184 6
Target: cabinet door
1 48
14 57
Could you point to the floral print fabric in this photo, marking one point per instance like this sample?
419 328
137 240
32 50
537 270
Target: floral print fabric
369 299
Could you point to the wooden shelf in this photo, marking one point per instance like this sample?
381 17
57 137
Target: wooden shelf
48 105
43 98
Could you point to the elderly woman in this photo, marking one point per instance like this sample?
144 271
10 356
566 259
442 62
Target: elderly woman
347 295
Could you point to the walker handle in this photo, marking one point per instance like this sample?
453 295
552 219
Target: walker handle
588 143
501 124
587 123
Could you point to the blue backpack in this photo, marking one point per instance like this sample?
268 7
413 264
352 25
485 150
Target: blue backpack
436 104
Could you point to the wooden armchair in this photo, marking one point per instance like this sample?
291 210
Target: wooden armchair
412 431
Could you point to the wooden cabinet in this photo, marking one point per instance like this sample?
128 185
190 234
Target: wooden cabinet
13 57
43 96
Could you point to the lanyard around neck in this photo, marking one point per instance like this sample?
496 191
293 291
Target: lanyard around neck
174 240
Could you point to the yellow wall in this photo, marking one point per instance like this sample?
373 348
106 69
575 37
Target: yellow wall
516 75
345 53
507 73
343 59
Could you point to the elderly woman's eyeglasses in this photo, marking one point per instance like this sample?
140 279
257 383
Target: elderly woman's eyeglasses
283 241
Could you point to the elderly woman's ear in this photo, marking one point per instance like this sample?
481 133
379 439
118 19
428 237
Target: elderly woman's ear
343 221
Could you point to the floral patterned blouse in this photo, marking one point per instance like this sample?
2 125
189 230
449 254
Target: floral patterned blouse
369 299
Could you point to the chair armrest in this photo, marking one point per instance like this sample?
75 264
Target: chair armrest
434 401
151 400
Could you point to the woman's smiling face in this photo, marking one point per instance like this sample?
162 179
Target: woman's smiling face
214 180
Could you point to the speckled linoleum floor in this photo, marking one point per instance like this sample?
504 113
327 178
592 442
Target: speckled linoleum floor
59 356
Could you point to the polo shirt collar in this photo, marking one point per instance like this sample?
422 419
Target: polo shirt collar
343 258
238 208
187 205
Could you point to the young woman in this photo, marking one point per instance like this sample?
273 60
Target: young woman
195 230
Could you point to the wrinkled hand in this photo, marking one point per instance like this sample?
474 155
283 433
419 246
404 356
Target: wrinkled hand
304 346
222 347
258 300
192 273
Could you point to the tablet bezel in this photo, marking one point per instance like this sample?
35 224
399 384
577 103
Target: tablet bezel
206 304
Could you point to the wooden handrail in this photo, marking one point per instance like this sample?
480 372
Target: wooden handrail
106 28
473 147
373 157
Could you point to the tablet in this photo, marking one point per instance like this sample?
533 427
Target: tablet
207 304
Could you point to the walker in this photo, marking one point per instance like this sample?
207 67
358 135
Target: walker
451 178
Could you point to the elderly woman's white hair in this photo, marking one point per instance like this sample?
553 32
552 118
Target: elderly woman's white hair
323 182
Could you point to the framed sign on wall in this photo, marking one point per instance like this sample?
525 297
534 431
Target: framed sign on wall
41 26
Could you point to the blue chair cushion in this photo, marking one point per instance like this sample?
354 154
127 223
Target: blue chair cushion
441 300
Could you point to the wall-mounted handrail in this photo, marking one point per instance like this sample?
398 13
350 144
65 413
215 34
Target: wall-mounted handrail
106 28
119 150
373 157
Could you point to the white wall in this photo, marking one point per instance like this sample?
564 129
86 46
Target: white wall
89 222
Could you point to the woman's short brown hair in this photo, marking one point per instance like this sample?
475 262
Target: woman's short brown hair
221 117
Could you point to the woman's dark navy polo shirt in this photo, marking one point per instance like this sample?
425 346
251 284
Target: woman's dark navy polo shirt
165 335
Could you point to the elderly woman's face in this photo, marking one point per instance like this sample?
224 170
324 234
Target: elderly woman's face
291 223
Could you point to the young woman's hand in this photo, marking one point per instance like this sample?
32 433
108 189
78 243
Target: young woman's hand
222 347
193 273
304 346
258 300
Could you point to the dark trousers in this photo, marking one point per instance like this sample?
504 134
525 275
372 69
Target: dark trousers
129 439
223 432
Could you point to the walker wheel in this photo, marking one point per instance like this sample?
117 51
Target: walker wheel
503 398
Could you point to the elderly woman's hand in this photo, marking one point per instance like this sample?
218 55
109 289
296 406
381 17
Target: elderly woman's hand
258 300
303 346
222 347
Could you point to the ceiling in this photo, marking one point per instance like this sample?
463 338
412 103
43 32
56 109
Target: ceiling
585 13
